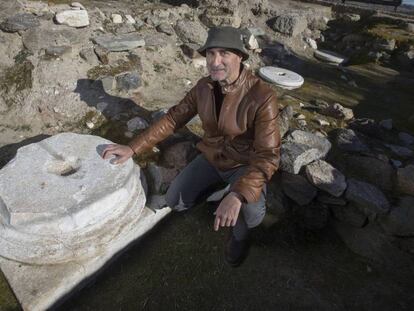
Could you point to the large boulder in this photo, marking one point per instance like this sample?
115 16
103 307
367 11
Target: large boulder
302 148
405 179
289 24
191 32
325 177
400 220
367 197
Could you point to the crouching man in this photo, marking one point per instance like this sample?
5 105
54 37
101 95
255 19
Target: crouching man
241 142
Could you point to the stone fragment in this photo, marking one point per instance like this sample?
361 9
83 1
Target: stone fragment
400 220
406 138
19 22
116 18
130 19
302 148
102 54
322 122
217 16
325 177
298 188
367 197
108 83
128 81
77 5
400 151
190 32
73 18
337 111
190 50
289 24
285 116
405 179
350 215
166 28
312 43
387 124
88 55
137 123
56 51
348 140
329 56
120 43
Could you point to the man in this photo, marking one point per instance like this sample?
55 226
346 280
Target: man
240 146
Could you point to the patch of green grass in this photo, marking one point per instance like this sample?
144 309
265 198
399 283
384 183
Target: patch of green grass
17 77
133 63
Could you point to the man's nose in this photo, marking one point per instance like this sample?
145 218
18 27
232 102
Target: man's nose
216 60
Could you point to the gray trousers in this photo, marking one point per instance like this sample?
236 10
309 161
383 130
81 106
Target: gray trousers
196 181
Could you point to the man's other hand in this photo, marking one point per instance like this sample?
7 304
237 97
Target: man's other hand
121 152
227 212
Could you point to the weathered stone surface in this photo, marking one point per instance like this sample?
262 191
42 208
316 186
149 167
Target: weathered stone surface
377 172
166 28
289 24
285 116
298 188
338 111
56 51
349 214
116 18
120 43
325 177
159 178
88 55
191 32
367 197
20 22
405 179
302 148
371 243
385 45
400 151
406 138
179 155
410 27
128 81
348 140
216 16
136 123
73 18
400 220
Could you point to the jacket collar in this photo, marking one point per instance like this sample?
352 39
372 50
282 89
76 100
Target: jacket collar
235 85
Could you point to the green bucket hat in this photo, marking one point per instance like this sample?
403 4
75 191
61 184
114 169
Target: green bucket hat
224 37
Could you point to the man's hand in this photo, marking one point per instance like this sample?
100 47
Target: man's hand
121 152
227 212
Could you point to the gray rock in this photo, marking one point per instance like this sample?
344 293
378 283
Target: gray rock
166 28
56 51
400 151
367 197
406 138
253 31
350 17
302 148
298 188
19 22
137 123
285 116
178 155
348 140
350 215
88 55
387 124
410 27
102 54
338 111
128 81
370 169
120 43
289 24
328 199
190 32
370 242
400 220
158 40
108 83
325 177
159 178
405 179
216 16
73 18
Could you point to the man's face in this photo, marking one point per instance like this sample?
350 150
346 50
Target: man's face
223 65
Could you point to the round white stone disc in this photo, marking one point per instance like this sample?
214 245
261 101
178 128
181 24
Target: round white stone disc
330 57
281 77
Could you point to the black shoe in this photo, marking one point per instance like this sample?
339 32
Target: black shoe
235 252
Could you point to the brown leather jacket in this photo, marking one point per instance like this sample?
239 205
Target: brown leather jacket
246 133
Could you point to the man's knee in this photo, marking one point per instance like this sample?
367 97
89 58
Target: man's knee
176 201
